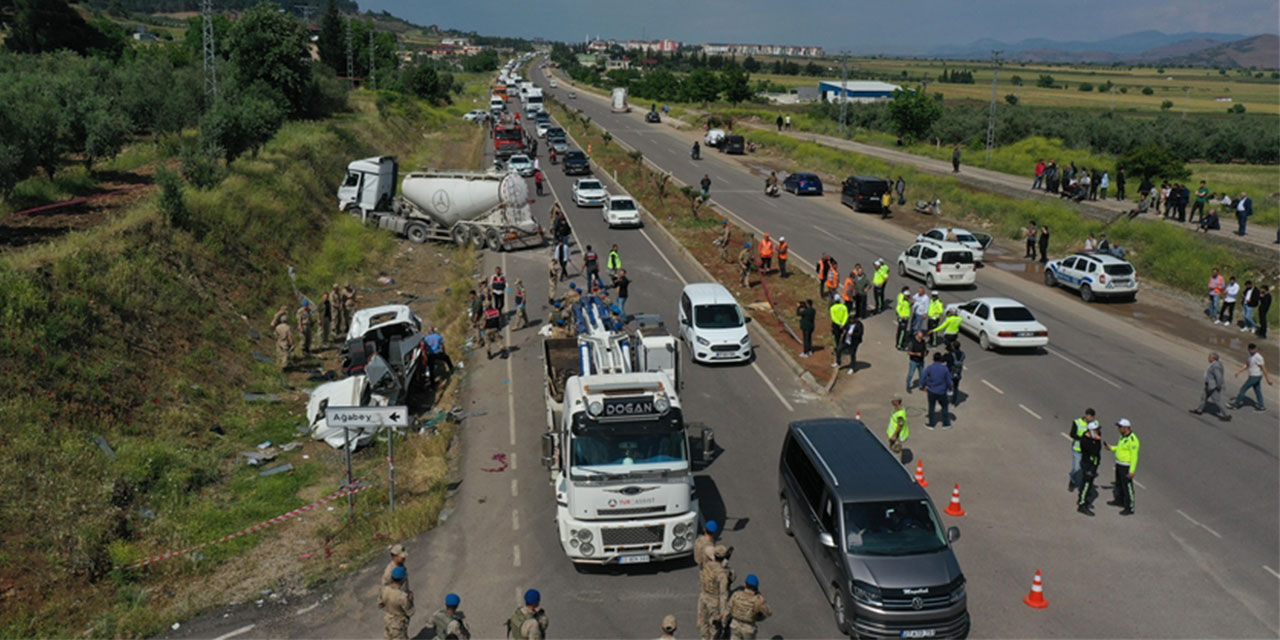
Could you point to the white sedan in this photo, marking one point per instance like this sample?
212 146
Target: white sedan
475 115
520 164
978 242
542 128
621 211
1001 322
589 192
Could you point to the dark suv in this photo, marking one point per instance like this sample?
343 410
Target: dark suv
737 145
863 193
576 164
870 534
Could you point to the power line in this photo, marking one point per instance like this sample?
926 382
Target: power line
991 117
210 52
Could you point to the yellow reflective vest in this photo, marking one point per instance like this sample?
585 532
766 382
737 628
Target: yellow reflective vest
839 314
1127 451
904 307
950 326
902 431
881 276
936 309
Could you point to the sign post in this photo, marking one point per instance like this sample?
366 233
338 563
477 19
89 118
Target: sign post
363 417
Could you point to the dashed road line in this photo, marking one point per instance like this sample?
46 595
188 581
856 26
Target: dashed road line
663 255
1083 368
828 234
1028 410
1199 524
1064 434
993 387
767 381
242 630
1140 485
1271 571
515 489
511 379
515 555
515 519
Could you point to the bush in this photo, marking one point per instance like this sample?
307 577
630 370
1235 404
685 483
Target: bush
1045 81
1146 91
1166 105
200 165
1085 86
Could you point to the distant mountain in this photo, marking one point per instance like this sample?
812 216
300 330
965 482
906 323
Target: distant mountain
1107 50
1261 51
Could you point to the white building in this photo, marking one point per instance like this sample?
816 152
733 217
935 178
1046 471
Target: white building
858 91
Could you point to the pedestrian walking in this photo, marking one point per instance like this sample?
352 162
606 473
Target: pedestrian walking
1227 315
553 276
622 291
449 623
498 289
1249 306
562 258
850 340
396 603
1079 427
326 318
537 180
528 622
878 281
434 342
955 364
1264 309
284 344
475 306
955 159
668 628
779 122
1257 368
783 248
839 313
1214 384
521 304
591 267
916 351
1044 244
903 308
1126 451
919 309
936 382
305 319
1030 235
766 254
705 183
1216 287
713 591
746 609
861 285
898 430
1244 209
613 263
787 122
492 325
746 264
807 314
1090 444
1120 184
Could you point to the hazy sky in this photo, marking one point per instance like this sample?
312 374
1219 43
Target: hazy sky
860 25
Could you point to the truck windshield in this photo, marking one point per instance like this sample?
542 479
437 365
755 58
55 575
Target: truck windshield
895 528
508 134
621 449
717 316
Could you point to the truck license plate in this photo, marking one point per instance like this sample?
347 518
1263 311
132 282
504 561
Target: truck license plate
637 559
918 633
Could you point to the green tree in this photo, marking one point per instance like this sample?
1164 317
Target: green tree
736 85
751 64
1146 91
172 204
1236 108
812 69
240 124
1016 80
40 26
333 39
1045 81
1011 99
1166 105
270 47
1153 161
912 113
700 86
1085 86
106 132
482 62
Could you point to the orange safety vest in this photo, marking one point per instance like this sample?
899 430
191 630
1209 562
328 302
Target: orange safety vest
833 279
766 248
782 250
846 293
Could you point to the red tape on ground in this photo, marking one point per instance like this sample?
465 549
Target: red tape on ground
67 203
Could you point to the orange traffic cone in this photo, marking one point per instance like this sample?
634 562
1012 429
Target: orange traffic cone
954 509
1035 599
920 474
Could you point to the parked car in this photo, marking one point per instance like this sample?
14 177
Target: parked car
1094 275
863 193
714 137
576 163
652 116
802 183
1001 322
977 242
589 192
621 211
736 145
475 114
521 164
573 94
939 264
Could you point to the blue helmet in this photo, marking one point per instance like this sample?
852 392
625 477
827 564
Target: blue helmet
752 581
712 527
398 573
452 600
532 597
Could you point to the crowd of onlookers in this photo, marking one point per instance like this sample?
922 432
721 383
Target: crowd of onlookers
1255 304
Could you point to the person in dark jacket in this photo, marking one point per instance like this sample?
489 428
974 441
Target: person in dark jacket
850 341
806 312
1264 307
1044 244
1120 184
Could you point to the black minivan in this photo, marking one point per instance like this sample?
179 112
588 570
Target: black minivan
737 145
870 534
863 193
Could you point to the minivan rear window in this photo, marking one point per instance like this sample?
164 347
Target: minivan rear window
957 257
892 528
1118 269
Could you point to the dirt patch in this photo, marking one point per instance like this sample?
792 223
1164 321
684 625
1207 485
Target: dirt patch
115 192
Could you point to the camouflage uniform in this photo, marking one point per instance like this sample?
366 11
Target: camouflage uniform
723 241
281 316
335 299
304 318
284 344
397 608
449 625
713 594
553 276
744 261
348 305
326 319
746 608
527 625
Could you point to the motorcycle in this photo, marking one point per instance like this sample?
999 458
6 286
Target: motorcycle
552 156
694 153
772 190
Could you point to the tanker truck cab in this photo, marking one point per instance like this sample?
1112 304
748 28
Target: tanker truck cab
370 185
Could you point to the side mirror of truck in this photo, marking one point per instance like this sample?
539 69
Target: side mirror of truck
549 450
953 534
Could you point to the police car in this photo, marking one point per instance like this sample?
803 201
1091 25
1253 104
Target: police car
1094 275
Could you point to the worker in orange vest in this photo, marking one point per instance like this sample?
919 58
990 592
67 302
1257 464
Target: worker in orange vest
766 254
782 256
833 278
847 290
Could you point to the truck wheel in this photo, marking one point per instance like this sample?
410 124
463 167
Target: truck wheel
354 210
494 240
417 233
460 236
477 238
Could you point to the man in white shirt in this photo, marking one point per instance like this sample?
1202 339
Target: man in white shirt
919 309
1228 313
1257 369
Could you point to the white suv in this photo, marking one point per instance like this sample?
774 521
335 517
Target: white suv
939 264
1094 275
976 241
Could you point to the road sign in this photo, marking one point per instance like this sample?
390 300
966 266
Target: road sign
367 416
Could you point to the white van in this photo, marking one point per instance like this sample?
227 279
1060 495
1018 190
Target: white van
712 324
939 264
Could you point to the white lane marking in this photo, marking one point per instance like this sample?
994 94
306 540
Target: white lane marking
1199 524
1140 485
515 520
1028 410
769 382
515 556
993 387
308 608
828 234
1061 433
515 489
511 396
240 631
513 461
663 255
1082 367
1271 571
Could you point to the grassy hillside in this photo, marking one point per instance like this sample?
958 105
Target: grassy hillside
138 331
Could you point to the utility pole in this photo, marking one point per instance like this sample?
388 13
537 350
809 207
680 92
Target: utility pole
844 90
373 76
991 117
351 64
210 52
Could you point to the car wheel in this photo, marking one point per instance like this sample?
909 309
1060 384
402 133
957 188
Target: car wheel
929 282
840 609
984 341
1086 293
1050 280
902 269
786 517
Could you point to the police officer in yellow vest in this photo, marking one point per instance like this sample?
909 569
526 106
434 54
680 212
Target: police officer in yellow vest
878 281
746 608
1079 428
935 315
1126 451
839 318
898 431
949 327
903 307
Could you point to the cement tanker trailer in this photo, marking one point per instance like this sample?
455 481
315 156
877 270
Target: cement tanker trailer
484 209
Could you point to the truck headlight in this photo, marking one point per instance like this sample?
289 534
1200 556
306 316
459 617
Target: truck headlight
586 549
584 535
679 529
678 543
661 405
596 408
